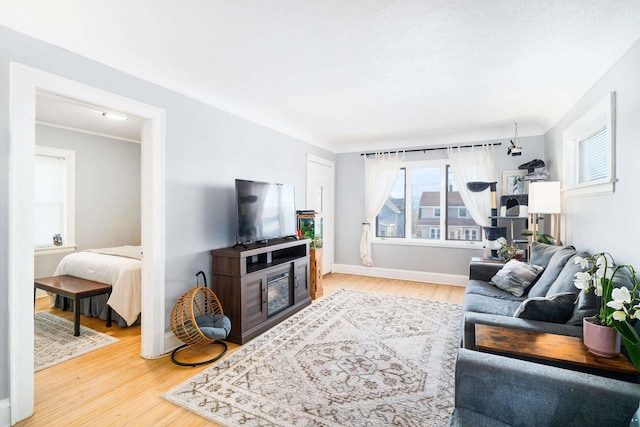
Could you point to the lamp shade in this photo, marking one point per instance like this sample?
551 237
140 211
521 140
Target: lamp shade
544 197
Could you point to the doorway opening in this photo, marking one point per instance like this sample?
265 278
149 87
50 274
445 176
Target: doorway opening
24 84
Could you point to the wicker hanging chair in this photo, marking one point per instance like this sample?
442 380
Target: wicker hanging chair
197 319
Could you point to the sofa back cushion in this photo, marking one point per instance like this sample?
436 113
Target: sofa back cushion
541 253
551 271
564 281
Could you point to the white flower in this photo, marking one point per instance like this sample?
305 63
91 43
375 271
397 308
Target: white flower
584 263
582 281
620 316
620 297
598 288
603 263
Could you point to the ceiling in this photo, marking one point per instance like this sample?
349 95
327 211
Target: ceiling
355 75
71 114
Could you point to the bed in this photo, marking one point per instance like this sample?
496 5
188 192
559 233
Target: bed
120 267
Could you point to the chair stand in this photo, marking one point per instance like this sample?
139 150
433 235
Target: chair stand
194 364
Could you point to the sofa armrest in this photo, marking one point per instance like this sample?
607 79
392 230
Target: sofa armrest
480 270
517 392
471 319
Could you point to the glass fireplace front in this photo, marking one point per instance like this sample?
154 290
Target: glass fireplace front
278 293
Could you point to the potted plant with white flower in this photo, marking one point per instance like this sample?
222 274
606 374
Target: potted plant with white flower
618 307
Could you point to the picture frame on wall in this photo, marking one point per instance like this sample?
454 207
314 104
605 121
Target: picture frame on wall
512 182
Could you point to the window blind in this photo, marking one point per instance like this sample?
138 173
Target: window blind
593 157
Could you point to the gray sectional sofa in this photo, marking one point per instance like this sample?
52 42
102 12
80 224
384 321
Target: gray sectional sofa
551 303
495 391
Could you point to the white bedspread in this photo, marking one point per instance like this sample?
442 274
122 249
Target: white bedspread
121 272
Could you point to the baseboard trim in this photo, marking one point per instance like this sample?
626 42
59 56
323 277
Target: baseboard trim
390 273
5 413
171 342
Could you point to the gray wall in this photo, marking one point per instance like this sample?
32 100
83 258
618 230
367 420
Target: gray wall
107 191
350 214
608 222
206 149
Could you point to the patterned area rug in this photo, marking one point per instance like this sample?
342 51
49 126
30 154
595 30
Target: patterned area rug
54 341
352 359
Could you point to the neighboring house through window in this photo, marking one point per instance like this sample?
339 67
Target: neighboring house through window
422 192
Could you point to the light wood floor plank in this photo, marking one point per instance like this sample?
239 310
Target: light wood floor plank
114 386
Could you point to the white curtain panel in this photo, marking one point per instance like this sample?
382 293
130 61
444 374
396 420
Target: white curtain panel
380 173
475 164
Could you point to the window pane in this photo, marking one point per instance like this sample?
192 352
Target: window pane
460 225
425 203
390 221
593 158
49 199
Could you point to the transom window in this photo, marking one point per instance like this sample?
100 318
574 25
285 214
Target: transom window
423 191
589 151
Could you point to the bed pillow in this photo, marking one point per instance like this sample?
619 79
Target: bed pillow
557 308
516 277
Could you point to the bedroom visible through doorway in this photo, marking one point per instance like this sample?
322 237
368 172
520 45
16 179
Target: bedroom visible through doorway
25 82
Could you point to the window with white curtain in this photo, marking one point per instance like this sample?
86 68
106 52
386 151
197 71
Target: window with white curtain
589 151
423 192
54 197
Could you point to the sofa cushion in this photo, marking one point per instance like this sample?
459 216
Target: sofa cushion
464 417
564 281
480 287
516 277
586 306
541 253
489 305
551 271
557 308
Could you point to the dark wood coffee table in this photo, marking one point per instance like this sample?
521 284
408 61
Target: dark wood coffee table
557 349
76 289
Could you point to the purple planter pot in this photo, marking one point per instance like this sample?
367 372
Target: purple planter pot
600 340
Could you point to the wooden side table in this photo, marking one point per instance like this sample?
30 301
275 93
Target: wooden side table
316 289
557 349
76 289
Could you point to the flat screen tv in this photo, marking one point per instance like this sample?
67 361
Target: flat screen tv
264 211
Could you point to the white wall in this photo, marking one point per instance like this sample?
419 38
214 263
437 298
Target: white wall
206 149
608 222
107 191
427 259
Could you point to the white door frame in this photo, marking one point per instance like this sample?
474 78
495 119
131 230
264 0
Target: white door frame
330 164
24 83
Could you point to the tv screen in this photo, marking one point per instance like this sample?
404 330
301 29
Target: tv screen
264 211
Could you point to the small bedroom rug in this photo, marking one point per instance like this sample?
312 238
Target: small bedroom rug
352 359
54 341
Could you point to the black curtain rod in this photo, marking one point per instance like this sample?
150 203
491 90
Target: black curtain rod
424 150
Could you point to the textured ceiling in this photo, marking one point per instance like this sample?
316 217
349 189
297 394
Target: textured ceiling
355 75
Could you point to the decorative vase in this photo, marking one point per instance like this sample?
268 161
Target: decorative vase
600 340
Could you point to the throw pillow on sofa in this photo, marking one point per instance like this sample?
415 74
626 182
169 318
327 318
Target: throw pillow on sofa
516 277
556 308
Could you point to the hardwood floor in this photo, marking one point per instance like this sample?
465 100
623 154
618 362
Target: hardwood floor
114 386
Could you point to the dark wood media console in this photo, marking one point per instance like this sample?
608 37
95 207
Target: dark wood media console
261 285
